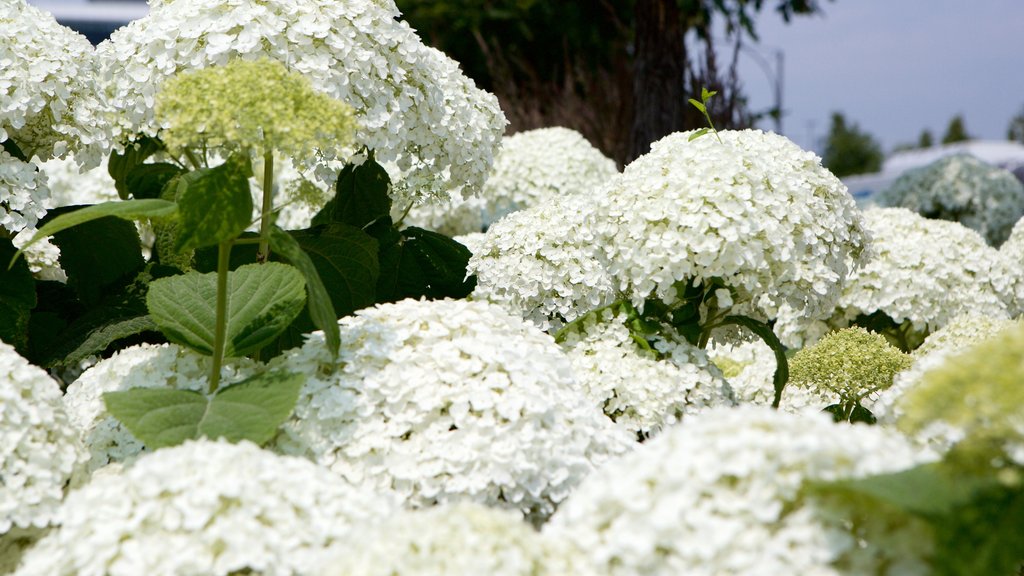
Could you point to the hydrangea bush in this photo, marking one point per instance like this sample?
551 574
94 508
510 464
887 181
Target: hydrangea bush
964 189
441 401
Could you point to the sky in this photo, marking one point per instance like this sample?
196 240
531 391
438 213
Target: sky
892 67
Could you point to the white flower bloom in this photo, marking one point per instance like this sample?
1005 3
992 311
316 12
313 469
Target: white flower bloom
473 242
640 392
48 93
924 272
749 368
755 211
23 194
1011 259
71 185
458 539
38 448
143 366
204 507
721 494
543 263
447 400
413 104
530 167
961 188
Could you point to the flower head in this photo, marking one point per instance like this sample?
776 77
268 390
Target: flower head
448 400
1011 255
412 104
38 448
752 210
961 188
847 365
721 493
204 507
257 105
48 94
464 538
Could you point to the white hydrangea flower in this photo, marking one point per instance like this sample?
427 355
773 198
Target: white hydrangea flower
640 392
957 336
448 400
753 210
964 189
721 494
23 194
48 93
72 185
142 366
39 450
543 264
530 167
924 272
457 539
204 507
749 368
413 104
473 242
1011 258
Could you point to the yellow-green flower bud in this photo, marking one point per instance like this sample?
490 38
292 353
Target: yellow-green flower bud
848 364
258 105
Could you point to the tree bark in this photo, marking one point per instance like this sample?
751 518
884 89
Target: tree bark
658 74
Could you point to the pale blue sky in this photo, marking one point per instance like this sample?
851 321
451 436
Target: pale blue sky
895 67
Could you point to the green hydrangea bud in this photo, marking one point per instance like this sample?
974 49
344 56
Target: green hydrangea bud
850 363
258 105
977 397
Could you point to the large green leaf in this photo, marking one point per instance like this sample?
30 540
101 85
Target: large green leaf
148 180
318 300
346 260
263 299
362 194
17 298
249 410
98 255
121 164
214 204
128 210
433 265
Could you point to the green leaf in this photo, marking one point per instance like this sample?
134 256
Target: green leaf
346 260
214 204
764 332
148 180
249 410
318 301
99 338
12 148
98 255
120 164
706 94
362 194
263 299
389 257
17 298
697 105
862 415
697 134
127 210
433 265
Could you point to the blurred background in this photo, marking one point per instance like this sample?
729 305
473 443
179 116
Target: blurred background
873 86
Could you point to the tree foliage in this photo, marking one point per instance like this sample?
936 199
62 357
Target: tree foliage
848 150
955 132
1015 131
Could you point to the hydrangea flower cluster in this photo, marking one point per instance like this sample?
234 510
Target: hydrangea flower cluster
924 273
847 365
39 450
143 366
258 105
453 216
448 400
1011 255
530 167
722 494
23 194
972 400
642 390
413 105
542 263
749 368
465 538
957 336
48 91
753 210
204 507
964 189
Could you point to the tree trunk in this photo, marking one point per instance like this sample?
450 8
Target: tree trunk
658 74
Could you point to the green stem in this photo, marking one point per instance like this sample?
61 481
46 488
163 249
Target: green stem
221 326
263 254
564 330
192 159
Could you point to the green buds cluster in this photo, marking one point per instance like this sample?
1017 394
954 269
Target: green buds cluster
850 363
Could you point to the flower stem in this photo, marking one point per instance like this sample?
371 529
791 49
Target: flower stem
268 206
221 323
